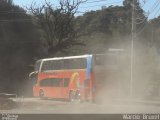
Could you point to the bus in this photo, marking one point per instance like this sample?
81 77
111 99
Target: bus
73 78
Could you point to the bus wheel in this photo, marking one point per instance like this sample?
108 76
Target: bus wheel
41 94
78 97
71 96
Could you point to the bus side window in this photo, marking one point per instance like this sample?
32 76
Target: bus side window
58 65
56 82
52 65
46 82
52 82
66 82
67 64
61 83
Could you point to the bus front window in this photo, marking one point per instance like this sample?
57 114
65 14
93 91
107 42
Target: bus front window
37 65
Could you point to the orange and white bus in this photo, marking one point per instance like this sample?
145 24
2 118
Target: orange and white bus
72 78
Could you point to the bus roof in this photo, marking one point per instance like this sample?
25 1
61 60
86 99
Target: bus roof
68 57
72 57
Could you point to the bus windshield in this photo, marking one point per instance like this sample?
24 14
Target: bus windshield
78 63
37 65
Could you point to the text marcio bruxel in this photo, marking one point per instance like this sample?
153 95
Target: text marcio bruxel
141 117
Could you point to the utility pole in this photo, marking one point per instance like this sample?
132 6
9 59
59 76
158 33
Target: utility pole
152 39
132 47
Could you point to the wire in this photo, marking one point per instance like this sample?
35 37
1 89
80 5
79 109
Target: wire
155 16
153 8
96 1
144 3
142 21
156 12
155 5
101 5
79 12
142 29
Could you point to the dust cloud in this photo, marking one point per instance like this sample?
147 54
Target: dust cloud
114 85
145 80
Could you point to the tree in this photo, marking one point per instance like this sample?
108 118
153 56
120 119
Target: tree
57 24
19 44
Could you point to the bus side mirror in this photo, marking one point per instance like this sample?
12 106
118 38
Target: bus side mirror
32 73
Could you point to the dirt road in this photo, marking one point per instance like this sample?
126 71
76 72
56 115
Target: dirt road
38 106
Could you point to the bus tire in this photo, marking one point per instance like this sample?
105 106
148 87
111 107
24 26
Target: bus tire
71 96
41 94
78 96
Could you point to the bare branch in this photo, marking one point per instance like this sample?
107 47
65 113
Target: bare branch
57 24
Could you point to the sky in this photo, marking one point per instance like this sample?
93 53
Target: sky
151 7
